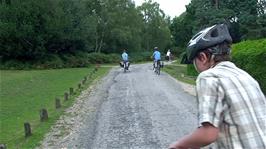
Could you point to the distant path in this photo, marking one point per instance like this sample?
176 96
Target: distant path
133 110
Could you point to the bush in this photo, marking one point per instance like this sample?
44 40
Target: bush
53 61
12 64
251 57
140 56
71 61
100 58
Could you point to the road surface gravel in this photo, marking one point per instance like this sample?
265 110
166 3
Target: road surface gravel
133 110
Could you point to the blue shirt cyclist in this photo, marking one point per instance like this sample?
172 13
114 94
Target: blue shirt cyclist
156 54
124 56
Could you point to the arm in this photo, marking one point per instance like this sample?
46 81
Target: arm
204 135
152 55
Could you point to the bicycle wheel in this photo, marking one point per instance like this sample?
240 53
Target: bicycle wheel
124 67
159 69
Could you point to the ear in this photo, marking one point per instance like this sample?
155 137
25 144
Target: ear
203 57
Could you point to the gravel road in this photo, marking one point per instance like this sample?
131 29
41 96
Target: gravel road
133 110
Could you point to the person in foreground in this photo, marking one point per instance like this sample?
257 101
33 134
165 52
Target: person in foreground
232 107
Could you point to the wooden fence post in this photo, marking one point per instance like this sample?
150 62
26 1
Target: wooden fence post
71 91
83 81
57 103
66 96
43 115
85 78
27 129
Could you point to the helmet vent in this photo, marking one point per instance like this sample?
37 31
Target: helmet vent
214 33
196 36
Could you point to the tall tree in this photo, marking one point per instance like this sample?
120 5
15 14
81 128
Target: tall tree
156 30
241 16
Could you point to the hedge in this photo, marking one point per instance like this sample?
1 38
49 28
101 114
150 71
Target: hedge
62 61
251 57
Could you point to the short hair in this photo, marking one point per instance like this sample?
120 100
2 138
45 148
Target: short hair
224 49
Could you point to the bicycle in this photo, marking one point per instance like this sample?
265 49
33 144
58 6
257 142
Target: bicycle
157 67
125 66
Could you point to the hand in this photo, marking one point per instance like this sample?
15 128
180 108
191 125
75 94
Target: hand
175 146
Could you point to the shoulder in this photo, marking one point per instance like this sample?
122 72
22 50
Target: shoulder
223 69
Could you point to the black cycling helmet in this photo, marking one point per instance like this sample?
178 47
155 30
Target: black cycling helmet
155 48
206 38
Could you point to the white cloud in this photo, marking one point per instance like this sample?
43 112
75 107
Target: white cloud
170 7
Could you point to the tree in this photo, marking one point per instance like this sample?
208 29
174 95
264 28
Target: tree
156 30
244 18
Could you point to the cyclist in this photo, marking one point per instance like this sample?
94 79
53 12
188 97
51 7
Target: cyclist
168 55
231 104
125 59
156 57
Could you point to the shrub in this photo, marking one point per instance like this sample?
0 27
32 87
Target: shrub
71 61
12 64
251 57
140 56
100 58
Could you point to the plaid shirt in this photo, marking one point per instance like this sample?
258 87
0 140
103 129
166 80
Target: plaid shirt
231 100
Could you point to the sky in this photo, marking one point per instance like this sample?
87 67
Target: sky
170 7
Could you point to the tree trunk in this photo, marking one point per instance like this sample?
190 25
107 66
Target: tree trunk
96 42
217 4
101 43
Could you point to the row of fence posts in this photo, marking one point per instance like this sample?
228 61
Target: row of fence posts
44 112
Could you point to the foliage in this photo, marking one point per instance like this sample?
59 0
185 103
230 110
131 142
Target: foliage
156 30
251 56
140 56
181 29
38 31
100 58
24 93
245 18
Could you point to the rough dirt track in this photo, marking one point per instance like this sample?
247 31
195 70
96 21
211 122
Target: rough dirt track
132 110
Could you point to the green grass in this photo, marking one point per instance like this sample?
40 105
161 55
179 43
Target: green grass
179 72
24 93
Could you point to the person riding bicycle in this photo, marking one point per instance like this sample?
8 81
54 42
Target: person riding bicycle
168 55
156 57
231 105
125 59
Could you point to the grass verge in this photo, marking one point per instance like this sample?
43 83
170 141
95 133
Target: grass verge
24 93
179 72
